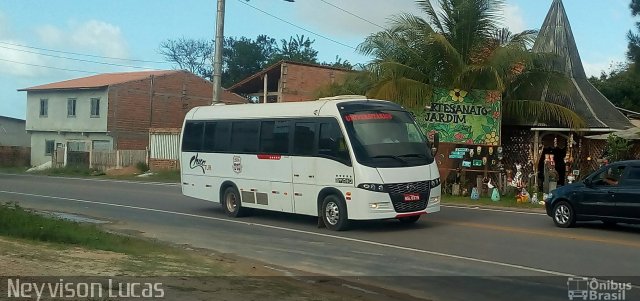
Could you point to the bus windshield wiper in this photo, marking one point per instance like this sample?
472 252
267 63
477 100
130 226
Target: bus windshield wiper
403 161
414 156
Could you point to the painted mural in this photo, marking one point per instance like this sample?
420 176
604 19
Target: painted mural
465 117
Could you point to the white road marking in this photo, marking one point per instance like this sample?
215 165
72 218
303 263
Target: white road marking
472 259
493 210
97 180
367 253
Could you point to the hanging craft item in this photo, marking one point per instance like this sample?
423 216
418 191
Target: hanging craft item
495 195
534 198
523 196
475 195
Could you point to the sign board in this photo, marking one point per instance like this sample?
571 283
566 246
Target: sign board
462 149
466 163
464 117
477 162
456 156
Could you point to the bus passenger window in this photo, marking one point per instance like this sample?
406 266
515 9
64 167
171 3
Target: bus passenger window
332 143
244 136
192 140
274 137
304 137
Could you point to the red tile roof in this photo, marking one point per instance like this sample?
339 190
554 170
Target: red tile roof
98 81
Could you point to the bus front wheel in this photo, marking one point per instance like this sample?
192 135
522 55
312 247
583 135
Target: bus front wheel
334 213
231 203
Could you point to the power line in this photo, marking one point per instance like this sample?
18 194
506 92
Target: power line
350 13
49 67
84 54
297 26
75 59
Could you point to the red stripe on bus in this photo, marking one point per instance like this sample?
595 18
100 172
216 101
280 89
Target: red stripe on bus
269 157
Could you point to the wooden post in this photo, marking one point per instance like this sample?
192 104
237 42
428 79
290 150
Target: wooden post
117 158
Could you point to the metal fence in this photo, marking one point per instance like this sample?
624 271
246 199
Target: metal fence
164 144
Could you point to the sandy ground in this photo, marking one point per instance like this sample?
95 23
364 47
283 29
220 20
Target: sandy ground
186 275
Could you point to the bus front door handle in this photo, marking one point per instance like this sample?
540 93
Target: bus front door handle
297 194
311 177
296 175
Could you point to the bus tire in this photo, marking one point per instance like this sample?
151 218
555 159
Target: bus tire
334 213
231 202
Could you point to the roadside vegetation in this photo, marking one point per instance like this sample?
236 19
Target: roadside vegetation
36 244
505 201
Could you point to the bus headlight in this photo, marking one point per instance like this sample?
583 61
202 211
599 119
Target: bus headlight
434 183
372 187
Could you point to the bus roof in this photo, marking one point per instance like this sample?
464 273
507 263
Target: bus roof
266 110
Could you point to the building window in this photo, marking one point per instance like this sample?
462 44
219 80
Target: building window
71 107
49 146
44 107
95 107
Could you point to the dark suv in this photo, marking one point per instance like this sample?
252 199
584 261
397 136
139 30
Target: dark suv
611 194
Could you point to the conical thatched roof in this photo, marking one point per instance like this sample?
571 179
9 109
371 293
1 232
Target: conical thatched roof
556 37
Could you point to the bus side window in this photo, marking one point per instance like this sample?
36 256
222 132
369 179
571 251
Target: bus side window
192 140
244 137
304 138
274 137
221 136
332 143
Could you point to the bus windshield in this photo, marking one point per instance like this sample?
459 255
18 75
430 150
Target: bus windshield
386 138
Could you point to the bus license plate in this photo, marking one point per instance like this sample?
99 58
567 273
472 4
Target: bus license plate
411 197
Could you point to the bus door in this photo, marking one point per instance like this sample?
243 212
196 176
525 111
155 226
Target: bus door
303 167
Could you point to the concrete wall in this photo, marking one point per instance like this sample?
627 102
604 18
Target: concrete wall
38 143
13 133
57 118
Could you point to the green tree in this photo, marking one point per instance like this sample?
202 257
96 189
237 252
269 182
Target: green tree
462 46
634 38
242 56
617 148
621 85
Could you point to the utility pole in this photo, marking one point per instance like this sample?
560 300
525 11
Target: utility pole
217 58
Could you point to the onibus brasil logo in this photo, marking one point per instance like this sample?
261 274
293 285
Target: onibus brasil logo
584 288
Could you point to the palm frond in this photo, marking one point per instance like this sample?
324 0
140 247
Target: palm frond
540 111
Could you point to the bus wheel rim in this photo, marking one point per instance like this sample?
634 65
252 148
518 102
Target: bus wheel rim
231 202
332 213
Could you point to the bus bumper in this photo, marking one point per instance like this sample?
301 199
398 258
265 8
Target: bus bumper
369 205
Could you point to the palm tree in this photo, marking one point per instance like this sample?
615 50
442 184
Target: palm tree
461 46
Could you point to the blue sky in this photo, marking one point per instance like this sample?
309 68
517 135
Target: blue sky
134 29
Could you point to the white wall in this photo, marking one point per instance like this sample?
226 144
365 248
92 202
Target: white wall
57 119
38 143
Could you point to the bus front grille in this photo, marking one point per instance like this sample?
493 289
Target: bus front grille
401 206
411 187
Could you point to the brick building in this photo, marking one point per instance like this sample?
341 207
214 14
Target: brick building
111 111
288 81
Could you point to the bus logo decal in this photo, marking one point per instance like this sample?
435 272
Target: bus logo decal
237 164
197 162
344 180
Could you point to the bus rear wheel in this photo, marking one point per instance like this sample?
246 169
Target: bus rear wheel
334 213
231 203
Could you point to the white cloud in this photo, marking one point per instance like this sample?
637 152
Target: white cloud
513 18
14 62
337 23
596 68
92 36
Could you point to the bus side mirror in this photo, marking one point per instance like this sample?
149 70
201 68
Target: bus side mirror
435 144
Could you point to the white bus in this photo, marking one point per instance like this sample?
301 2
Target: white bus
339 158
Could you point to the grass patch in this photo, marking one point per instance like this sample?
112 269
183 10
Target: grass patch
18 222
506 201
70 171
13 169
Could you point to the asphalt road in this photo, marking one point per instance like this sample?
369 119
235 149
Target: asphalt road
456 254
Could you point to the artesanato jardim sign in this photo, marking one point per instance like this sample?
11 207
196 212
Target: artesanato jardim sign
464 117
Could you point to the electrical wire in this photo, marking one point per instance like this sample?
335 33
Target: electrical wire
76 59
84 54
297 26
49 67
352 14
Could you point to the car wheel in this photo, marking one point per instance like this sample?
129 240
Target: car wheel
334 213
409 219
563 215
231 203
